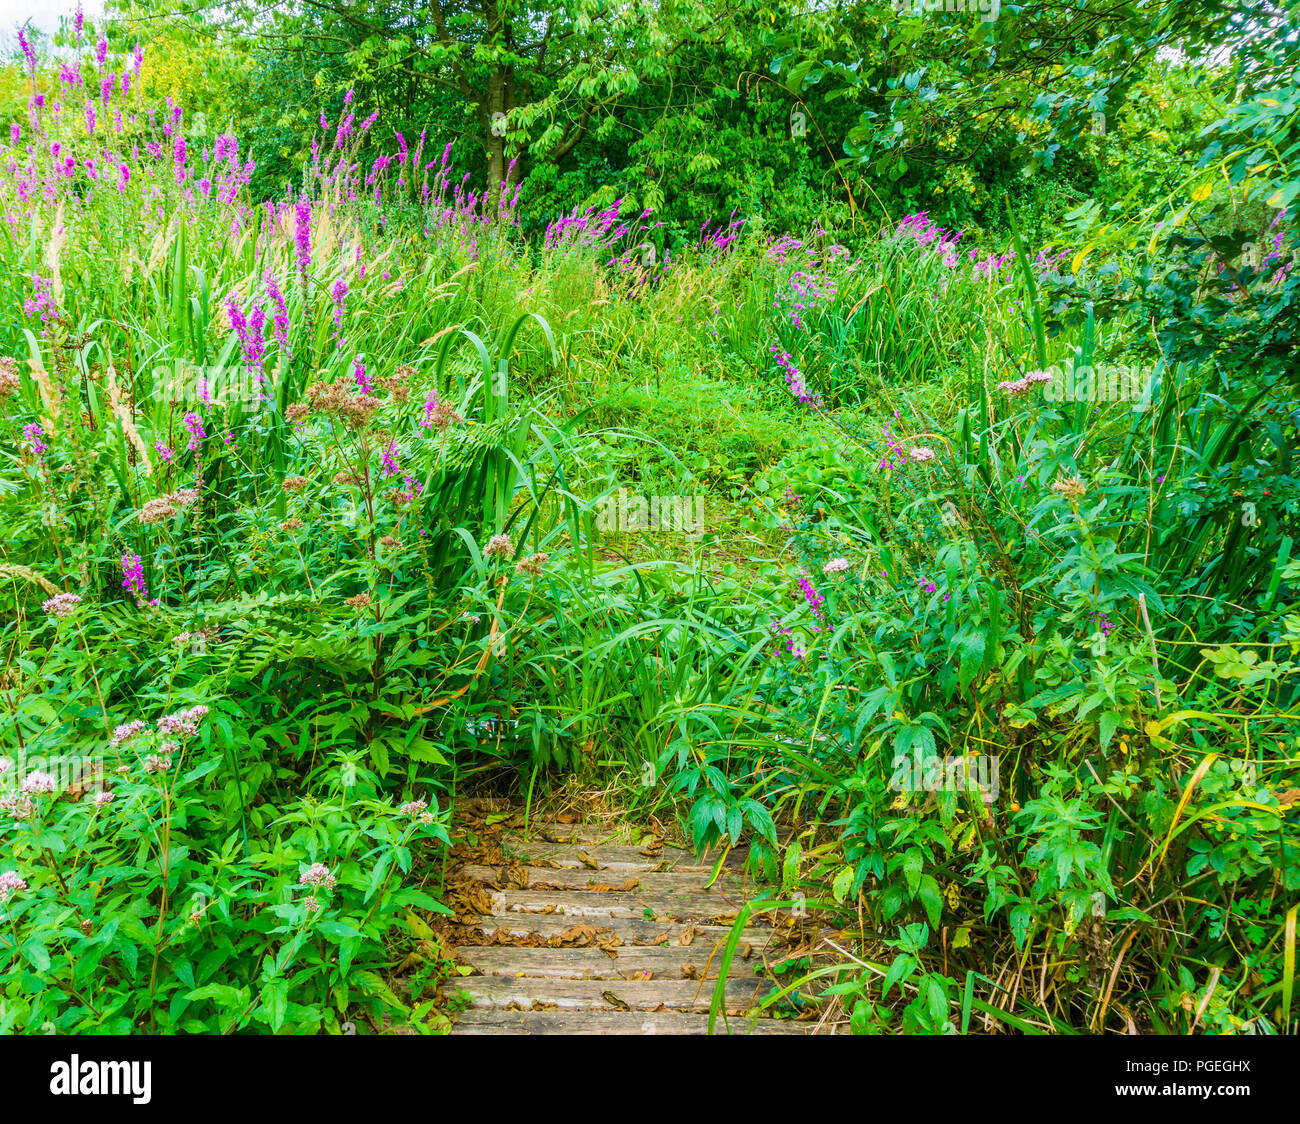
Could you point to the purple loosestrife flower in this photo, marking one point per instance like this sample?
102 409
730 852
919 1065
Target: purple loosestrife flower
27 50
414 488
33 432
438 414
795 378
339 293
194 424
363 380
302 234
101 51
179 157
389 460
344 131
814 599
225 148
281 315
255 345
778 630
133 575
251 333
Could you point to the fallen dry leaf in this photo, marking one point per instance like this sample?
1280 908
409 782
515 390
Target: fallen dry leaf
576 935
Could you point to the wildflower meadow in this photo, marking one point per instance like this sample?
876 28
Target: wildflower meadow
800 436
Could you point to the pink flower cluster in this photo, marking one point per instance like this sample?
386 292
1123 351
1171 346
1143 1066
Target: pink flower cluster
125 732
318 874
417 810
10 883
37 781
184 723
61 604
1020 385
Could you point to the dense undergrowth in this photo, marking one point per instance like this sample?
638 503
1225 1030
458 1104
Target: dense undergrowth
317 511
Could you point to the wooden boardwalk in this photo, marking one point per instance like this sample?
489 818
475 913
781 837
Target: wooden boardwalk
570 931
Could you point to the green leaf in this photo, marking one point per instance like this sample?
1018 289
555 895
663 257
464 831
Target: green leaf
36 955
913 861
931 899
903 966
842 883
337 930
275 1003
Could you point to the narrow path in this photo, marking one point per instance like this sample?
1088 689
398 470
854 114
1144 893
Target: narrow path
572 929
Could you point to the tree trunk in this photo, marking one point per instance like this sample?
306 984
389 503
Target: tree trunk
500 100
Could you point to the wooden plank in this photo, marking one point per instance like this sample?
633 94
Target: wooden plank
615 1022
549 831
566 845
627 962
630 931
606 856
582 878
651 907
604 995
